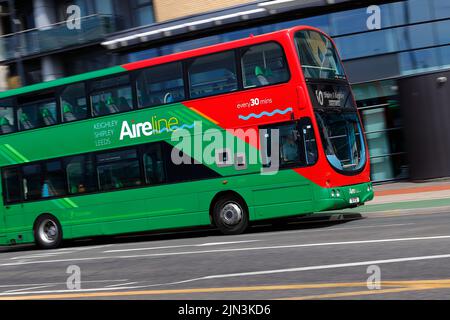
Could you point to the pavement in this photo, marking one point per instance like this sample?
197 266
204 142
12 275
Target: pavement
403 245
409 195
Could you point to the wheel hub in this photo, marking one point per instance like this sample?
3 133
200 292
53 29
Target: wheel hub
231 214
48 231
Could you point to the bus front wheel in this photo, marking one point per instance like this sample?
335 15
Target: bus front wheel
47 232
230 215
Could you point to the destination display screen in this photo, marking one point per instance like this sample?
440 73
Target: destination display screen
331 96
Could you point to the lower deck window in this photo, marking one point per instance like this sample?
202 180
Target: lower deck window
54 180
117 170
145 165
12 184
80 174
290 144
32 182
153 164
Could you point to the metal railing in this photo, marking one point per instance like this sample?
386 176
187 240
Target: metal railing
56 36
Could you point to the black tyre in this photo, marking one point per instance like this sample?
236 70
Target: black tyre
230 215
47 232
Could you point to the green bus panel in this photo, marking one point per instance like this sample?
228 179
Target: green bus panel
155 207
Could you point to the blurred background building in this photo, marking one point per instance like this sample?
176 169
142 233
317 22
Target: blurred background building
399 71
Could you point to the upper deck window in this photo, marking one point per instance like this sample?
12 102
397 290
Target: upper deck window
111 95
37 110
264 64
74 103
160 85
7 118
213 74
318 56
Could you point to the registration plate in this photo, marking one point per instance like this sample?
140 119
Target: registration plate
354 200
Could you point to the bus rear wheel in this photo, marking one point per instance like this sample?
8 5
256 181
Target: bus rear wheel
230 215
47 232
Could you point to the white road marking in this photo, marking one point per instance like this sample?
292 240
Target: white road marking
331 266
24 289
57 283
225 243
325 229
283 247
41 255
245 274
230 250
181 246
89 247
62 251
368 227
120 284
64 291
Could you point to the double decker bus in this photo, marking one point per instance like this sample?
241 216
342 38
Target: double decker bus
93 154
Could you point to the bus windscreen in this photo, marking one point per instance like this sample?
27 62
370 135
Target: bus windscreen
318 56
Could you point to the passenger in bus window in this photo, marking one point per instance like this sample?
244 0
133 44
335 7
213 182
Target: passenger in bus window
81 188
45 193
289 149
25 188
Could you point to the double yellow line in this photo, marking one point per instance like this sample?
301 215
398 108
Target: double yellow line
396 287
392 287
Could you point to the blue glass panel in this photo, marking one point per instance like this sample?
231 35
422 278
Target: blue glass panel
393 14
348 21
144 54
441 8
416 36
240 34
443 31
445 56
418 11
353 21
366 44
104 6
320 22
419 61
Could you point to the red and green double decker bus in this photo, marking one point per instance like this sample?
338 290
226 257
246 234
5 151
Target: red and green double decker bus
93 154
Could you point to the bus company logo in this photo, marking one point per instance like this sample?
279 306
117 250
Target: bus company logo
135 130
319 96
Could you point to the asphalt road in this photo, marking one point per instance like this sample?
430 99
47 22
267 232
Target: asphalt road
320 258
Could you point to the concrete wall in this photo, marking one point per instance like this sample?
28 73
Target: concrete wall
172 9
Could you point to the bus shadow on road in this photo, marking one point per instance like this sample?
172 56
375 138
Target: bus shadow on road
313 221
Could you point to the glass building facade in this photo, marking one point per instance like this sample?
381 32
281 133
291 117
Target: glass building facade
414 37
